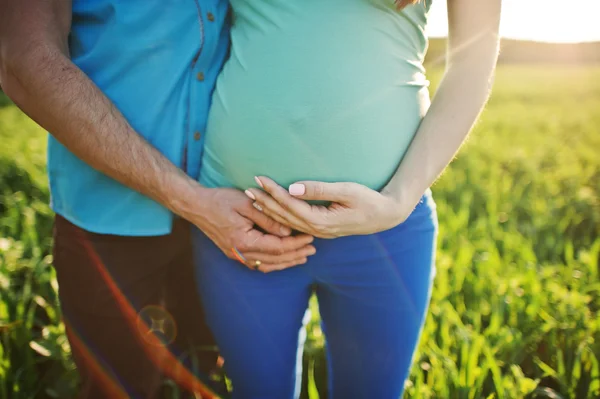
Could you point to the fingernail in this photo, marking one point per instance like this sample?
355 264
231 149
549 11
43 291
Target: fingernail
285 230
250 195
257 180
297 189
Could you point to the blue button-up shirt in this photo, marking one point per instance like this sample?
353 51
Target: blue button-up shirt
157 61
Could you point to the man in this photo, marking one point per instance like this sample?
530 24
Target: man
124 88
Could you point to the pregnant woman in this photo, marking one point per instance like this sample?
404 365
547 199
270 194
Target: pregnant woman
322 115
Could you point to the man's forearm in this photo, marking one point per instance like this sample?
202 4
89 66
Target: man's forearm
455 108
56 94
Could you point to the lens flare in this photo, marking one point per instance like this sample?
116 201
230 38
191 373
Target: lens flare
238 255
156 326
154 347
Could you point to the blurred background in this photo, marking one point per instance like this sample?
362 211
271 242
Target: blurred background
515 309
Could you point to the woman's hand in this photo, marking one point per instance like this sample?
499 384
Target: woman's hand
227 217
355 209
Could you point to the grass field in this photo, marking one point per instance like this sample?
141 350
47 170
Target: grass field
515 310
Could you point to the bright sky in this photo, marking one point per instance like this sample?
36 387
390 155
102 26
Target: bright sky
542 20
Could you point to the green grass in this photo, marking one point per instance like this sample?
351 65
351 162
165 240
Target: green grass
515 309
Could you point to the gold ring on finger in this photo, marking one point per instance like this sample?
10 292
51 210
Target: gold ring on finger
257 264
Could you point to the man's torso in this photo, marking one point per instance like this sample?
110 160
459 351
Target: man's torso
157 61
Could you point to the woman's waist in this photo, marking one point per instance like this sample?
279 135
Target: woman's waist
365 151
238 169
332 135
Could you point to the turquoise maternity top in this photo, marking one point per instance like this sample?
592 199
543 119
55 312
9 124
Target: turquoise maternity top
328 90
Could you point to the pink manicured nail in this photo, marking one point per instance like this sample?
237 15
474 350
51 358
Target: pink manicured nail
250 195
297 189
257 180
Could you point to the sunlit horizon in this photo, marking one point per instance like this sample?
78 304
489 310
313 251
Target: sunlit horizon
558 21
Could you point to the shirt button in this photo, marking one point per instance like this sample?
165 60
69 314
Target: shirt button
210 16
200 76
197 136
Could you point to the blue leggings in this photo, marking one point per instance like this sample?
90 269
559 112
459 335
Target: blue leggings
373 293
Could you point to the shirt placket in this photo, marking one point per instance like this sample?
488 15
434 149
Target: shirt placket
197 105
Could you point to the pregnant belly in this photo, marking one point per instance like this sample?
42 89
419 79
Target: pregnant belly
328 91
364 141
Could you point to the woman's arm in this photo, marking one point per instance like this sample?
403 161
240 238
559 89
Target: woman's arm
472 53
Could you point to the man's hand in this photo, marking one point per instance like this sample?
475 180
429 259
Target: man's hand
355 209
228 218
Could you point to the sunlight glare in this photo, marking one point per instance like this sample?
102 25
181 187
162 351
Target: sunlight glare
540 20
